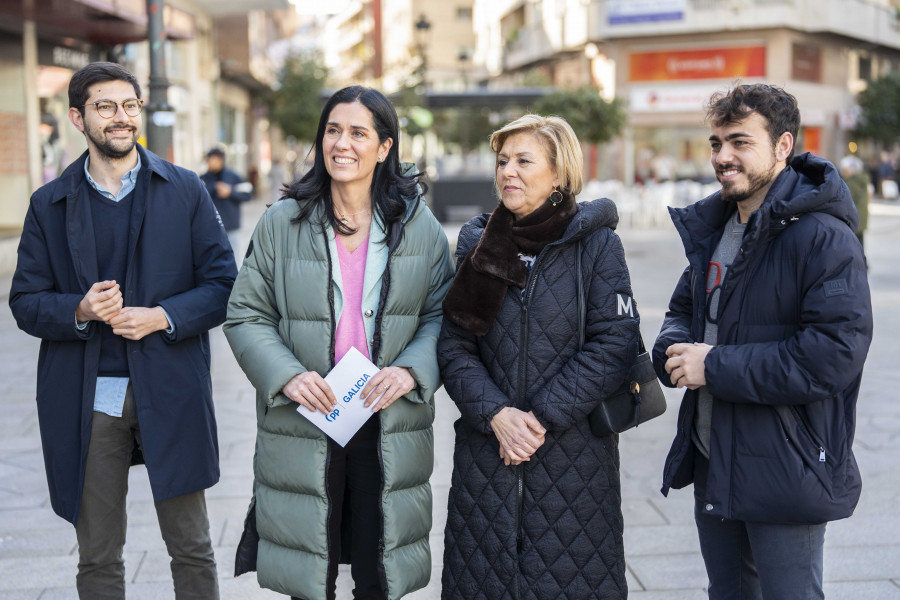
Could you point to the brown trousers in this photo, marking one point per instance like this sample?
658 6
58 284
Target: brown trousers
102 521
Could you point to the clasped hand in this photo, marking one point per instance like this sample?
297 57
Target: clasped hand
520 434
686 365
312 391
104 302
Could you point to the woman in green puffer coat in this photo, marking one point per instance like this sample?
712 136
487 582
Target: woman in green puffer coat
351 257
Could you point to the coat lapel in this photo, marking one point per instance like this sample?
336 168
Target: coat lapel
80 233
138 210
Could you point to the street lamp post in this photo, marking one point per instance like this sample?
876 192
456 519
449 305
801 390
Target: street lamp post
422 27
160 116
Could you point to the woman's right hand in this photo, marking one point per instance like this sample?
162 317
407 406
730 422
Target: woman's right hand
520 434
310 390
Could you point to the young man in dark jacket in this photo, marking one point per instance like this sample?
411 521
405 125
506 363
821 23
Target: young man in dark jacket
123 268
228 191
768 330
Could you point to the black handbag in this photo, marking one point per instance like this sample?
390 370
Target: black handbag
639 398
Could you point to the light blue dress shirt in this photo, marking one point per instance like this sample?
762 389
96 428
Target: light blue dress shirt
109 396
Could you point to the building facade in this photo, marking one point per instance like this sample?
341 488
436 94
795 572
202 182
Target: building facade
43 42
665 58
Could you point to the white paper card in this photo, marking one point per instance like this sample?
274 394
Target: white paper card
347 380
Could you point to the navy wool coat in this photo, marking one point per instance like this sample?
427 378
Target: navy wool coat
552 526
795 324
179 258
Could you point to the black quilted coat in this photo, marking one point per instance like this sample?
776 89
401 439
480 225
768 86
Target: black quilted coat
550 527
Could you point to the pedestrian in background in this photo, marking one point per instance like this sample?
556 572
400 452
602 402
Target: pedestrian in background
886 183
123 268
854 175
768 329
535 503
351 257
228 191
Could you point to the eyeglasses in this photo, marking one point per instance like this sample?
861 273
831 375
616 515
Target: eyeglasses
108 108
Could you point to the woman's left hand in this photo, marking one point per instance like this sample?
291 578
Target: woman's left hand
389 384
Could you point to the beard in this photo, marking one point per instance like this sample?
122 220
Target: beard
756 180
111 148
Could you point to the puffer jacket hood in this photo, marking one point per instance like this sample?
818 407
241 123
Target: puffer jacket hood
809 185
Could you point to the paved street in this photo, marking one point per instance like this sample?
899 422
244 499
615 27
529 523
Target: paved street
38 556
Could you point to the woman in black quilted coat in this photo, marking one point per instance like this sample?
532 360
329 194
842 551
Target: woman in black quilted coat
535 504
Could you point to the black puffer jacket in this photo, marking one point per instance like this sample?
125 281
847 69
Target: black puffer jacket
550 527
795 323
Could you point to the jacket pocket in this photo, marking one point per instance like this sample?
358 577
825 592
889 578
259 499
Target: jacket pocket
808 445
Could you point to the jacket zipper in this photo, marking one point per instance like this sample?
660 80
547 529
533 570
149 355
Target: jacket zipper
801 422
523 350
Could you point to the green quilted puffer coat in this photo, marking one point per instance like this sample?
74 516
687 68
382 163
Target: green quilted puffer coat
281 322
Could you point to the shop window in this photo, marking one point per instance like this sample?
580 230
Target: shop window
865 68
464 13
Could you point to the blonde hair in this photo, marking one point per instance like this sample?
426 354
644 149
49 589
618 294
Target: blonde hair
559 142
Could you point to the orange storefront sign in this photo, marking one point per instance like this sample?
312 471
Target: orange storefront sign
706 63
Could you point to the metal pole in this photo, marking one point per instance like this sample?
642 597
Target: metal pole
160 116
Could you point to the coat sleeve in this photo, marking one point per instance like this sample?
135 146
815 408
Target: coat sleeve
420 355
241 190
466 379
202 307
829 348
39 308
676 327
253 318
612 327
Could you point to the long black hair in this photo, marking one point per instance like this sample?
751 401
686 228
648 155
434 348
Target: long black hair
389 185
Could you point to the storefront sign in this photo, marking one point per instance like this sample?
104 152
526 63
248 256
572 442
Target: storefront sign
705 63
679 98
51 55
621 12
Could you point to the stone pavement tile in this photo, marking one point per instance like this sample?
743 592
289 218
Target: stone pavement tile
677 507
666 539
33 572
14 444
162 590
245 587
23 543
640 512
869 563
22 595
12 499
232 486
861 530
13 520
690 594
669 571
862 590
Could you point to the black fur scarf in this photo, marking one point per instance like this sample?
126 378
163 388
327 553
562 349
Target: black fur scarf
476 294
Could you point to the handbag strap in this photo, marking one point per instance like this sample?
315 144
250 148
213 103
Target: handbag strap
579 287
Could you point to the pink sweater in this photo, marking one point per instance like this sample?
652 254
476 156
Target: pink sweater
351 330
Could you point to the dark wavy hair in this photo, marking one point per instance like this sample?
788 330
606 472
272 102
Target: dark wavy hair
389 185
97 72
777 106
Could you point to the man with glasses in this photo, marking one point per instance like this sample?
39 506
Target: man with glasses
768 330
123 268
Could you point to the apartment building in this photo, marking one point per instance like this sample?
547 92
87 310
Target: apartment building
42 42
665 57
391 44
